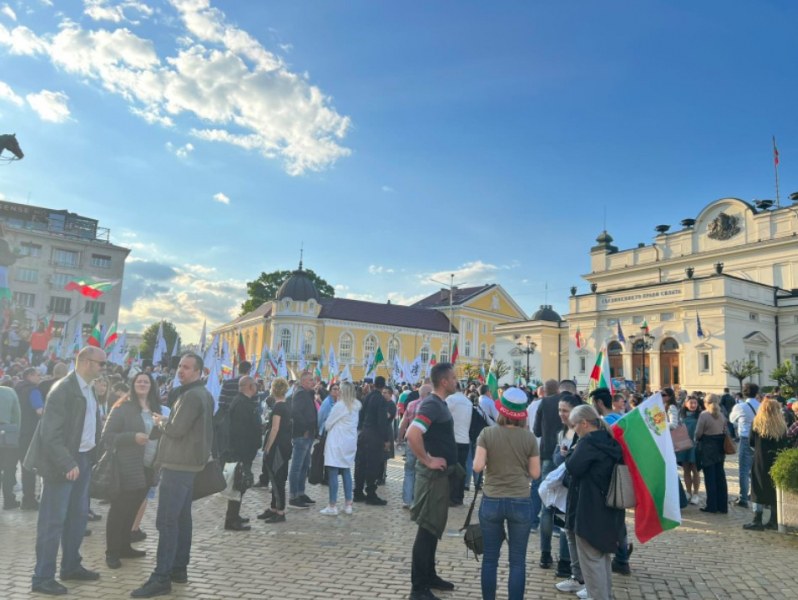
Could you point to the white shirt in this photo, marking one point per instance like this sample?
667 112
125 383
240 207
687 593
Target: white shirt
531 411
461 409
89 438
742 415
488 406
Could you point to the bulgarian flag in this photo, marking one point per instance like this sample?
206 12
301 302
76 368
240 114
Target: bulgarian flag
455 352
600 375
96 336
648 452
493 382
644 326
241 350
89 287
111 336
578 338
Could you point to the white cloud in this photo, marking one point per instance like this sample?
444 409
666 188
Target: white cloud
405 300
222 198
8 95
107 10
180 151
9 12
221 79
50 106
379 270
470 273
388 189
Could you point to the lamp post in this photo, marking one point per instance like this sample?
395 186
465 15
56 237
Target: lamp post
646 342
527 347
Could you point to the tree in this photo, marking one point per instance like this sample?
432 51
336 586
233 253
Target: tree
501 368
472 372
151 333
741 369
265 288
786 374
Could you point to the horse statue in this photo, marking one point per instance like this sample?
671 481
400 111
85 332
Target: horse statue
9 142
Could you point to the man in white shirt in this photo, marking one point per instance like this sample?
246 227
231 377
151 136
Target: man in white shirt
488 405
461 410
533 489
742 416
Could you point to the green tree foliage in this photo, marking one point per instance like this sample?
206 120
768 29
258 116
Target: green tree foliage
265 288
501 368
741 370
787 376
149 335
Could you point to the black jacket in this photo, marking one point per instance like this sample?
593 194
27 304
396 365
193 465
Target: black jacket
30 417
375 420
548 424
245 431
590 467
56 442
303 414
121 427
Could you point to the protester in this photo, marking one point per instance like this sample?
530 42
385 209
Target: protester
31 403
10 419
710 433
304 427
461 409
688 415
373 441
742 416
509 455
184 449
327 405
488 404
127 433
62 452
671 408
277 451
341 447
768 438
409 481
597 527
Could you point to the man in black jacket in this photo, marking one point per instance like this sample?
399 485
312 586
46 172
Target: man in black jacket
61 452
245 440
230 390
31 403
304 428
373 442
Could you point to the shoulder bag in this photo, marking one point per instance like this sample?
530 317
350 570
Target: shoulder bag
621 493
316 471
9 435
681 438
473 533
729 446
105 482
209 481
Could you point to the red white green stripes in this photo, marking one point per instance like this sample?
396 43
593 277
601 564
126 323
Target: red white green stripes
648 452
422 422
600 375
89 287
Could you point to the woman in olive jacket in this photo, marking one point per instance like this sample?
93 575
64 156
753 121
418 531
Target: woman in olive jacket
127 431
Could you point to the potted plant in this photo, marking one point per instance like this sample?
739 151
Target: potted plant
785 475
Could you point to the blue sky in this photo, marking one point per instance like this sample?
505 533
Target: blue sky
399 142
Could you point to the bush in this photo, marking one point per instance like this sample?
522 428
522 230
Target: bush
785 470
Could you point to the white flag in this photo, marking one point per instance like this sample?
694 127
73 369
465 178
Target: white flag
332 363
302 363
282 368
346 375
202 337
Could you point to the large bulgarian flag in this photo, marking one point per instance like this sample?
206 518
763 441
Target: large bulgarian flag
648 452
600 375
493 382
90 288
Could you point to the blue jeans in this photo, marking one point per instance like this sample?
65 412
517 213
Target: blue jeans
332 478
622 555
300 463
537 505
469 468
63 513
745 456
493 513
173 522
409 483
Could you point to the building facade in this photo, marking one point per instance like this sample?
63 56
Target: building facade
54 247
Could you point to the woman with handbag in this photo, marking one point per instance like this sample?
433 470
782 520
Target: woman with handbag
509 456
341 446
127 433
710 435
277 452
768 437
688 415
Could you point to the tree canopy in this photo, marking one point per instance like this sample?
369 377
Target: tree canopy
265 288
741 369
151 333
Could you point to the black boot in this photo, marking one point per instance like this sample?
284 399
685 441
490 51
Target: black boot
756 524
773 522
563 568
232 520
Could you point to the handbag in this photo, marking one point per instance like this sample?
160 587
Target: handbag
243 479
621 493
209 481
316 471
729 446
105 482
9 435
473 533
681 438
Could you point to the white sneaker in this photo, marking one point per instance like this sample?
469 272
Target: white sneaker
348 509
570 585
329 510
695 499
582 594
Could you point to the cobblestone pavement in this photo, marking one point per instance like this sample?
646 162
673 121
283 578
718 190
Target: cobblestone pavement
367 556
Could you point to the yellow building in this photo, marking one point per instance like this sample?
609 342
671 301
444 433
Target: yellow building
355 329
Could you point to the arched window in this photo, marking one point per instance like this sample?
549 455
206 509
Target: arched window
669 345
444 354
310 338
393 350
369 346
285 340
254 349
467 348
614 348
425 355
483 352
345 348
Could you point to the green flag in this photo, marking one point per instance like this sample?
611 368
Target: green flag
493 382
378 358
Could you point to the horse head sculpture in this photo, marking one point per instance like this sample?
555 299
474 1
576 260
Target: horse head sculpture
9 142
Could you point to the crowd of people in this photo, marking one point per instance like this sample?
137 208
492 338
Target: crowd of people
162 429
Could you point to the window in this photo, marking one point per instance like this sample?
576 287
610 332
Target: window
66 258
669 345
668 316
100 261
425 355
483 352
582 365
469 326
393 350
484 328
753 316
59 280
310 338
285 340
517 371
60 306
703 362
637 320
92 305
444 354
27 275
369 346
467 349
345 348
24 299
30 249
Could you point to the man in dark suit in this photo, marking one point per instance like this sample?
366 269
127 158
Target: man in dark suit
62 453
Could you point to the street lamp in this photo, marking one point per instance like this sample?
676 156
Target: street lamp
527 347
646 341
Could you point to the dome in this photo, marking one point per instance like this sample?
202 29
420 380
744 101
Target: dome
298 287
604 238
546 313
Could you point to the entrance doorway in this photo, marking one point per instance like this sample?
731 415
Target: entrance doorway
615 351
669 362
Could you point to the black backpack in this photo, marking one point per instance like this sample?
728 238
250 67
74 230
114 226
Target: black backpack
478 423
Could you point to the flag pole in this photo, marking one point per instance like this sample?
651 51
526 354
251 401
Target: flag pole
776 169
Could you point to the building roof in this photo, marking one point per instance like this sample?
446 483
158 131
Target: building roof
546 313
459 296
263 311
394 315
298 287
